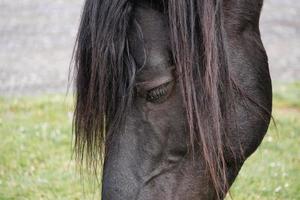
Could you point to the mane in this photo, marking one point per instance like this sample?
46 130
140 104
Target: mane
105 75
201 60
104 82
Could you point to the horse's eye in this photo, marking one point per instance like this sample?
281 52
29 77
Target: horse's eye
160 93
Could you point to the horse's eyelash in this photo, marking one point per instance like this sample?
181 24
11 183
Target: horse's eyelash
155 94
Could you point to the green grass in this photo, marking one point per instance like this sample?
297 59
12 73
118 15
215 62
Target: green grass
35 151
35 146
273 171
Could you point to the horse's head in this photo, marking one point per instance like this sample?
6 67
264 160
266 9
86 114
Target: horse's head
174 94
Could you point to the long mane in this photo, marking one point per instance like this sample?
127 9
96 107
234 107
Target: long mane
105 73
104 80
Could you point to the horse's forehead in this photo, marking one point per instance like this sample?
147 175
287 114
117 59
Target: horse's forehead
149 40
149 34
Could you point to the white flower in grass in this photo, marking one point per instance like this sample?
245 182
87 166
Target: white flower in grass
278 189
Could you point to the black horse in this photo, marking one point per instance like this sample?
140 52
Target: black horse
173 95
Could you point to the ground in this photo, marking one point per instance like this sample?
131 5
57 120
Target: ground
36 162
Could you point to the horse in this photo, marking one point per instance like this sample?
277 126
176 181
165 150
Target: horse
172 96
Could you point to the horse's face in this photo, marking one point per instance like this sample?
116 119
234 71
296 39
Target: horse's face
149 159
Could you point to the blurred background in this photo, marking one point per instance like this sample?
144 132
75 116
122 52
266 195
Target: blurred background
36 42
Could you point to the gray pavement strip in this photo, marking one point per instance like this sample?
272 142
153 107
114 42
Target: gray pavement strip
37 38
